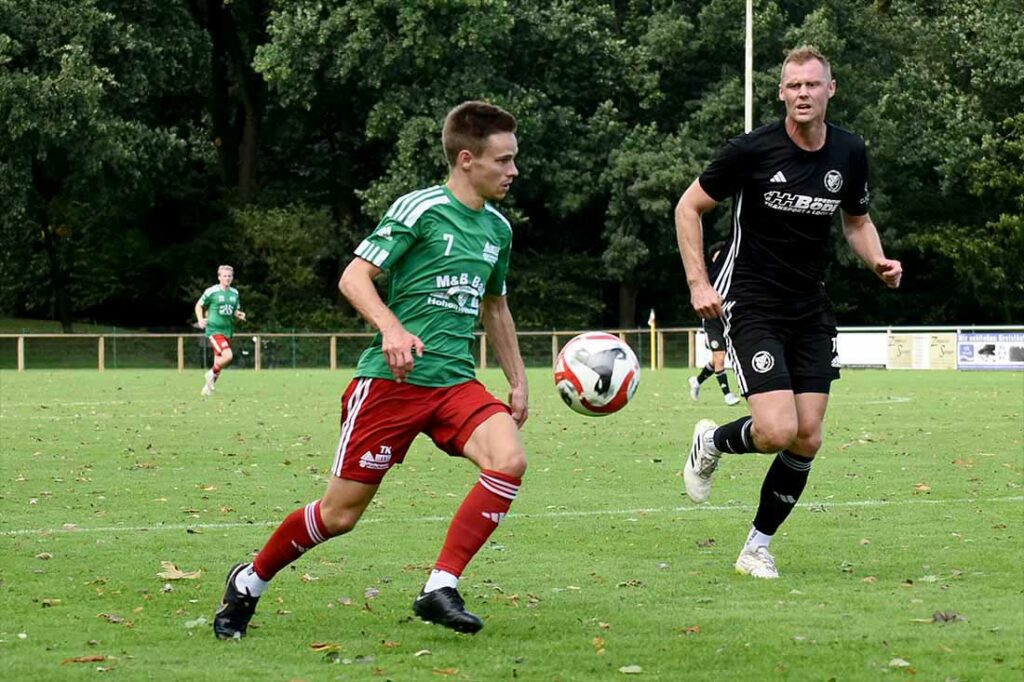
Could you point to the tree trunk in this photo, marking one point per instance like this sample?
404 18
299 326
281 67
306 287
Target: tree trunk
627 304
59 278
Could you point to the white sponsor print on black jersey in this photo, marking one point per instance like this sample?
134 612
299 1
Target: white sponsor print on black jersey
800 203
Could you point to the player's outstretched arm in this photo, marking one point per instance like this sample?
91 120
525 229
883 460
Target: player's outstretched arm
398 345
862 236
501 335
690 236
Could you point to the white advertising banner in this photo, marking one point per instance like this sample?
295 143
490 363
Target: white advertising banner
993 350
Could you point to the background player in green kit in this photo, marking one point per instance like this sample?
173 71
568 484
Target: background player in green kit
446 249
216 311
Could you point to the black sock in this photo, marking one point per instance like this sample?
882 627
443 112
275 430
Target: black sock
781 489
723 381
735 437
707 371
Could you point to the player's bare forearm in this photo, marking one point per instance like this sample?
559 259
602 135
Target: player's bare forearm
862 236
200 315
400 348
501 335
690 237
356 284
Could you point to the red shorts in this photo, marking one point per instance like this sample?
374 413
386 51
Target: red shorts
220 343
380 419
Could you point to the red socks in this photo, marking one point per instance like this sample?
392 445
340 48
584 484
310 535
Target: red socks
483 509
301 531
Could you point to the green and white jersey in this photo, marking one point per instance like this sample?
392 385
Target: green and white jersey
221 306
442 257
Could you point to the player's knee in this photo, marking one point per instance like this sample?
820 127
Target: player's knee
774 437
807 444
509 460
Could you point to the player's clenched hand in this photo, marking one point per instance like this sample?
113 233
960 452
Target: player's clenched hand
890 272
707 303
202 323
399 346
517 400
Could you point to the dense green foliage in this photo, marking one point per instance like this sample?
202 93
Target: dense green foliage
148 141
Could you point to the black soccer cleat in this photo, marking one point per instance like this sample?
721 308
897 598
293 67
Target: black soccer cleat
445 607
236 609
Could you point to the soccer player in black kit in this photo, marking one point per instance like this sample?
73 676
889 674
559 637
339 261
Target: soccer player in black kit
714 338
787 179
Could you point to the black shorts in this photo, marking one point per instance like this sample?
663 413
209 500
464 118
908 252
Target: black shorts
714 334
779 353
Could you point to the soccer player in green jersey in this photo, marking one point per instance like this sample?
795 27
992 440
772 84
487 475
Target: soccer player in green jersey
446 249
217 309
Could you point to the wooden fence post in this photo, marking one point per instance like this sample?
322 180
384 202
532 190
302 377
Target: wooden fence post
101 353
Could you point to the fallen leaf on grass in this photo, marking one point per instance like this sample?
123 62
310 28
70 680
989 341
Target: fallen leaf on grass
899 663
631 670
921 488
693 630
604 626
84 659
197 623
307 578
390 644
447 672
871 580
324 646
422 652
44 556
172 572
47 603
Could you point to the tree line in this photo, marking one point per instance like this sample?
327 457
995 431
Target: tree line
147 141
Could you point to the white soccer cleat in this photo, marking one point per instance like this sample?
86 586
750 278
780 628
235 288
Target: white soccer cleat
731 399
694 388
701 463
757 563
208 387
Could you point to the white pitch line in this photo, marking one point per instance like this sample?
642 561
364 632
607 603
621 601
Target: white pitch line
535 516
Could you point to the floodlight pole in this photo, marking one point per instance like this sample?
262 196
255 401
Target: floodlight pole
748 85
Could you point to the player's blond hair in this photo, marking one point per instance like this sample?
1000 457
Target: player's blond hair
803 54
225 267
468 126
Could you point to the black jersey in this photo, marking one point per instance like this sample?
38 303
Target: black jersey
784 198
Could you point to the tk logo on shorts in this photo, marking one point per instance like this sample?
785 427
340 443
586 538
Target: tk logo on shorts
379 461
762 361
833 181
714 344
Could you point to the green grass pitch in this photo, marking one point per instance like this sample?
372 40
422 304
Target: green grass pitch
603 570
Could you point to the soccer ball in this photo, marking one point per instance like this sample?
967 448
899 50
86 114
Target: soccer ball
596 374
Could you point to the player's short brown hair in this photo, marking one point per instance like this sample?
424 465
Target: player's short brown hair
468 126
803 54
